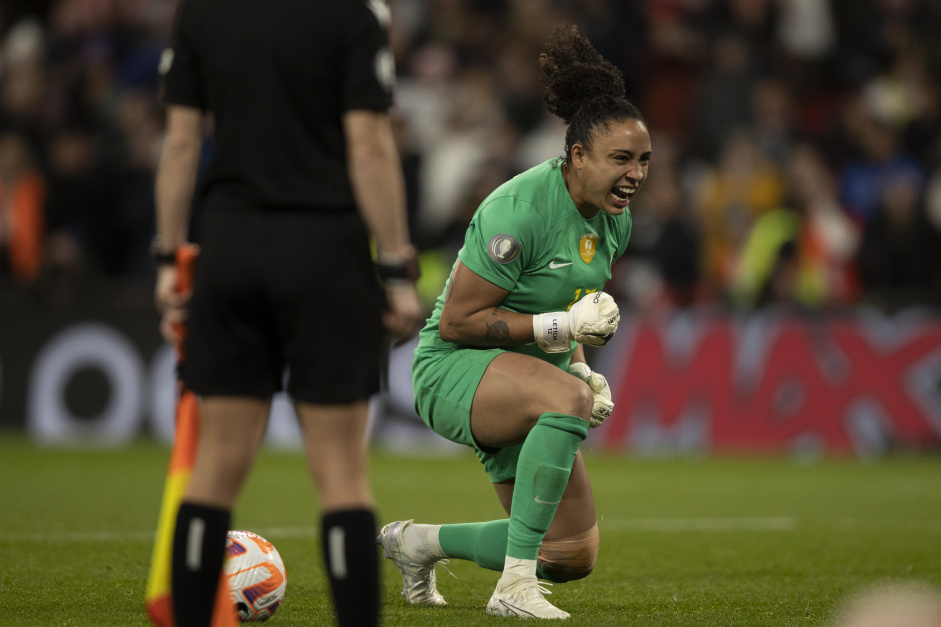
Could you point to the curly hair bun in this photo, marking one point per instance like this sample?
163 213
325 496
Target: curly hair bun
574 73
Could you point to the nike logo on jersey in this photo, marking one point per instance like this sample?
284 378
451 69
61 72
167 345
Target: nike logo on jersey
541 502
553 265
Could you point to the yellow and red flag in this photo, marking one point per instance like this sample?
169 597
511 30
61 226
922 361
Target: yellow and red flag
183 454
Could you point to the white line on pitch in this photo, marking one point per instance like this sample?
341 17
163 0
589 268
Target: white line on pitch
775 523
77 536
142 536
772 523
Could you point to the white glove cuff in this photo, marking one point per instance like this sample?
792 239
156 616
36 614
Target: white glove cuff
551 332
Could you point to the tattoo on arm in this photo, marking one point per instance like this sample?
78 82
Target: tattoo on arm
498 333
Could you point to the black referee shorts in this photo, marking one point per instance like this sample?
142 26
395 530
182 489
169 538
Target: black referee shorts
284 292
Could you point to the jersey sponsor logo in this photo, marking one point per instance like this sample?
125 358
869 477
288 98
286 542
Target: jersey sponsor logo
503 248
553 265
587 247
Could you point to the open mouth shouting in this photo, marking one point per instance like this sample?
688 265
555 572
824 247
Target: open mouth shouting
621 195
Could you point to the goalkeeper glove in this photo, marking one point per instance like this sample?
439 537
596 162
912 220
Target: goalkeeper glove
599 385
592 320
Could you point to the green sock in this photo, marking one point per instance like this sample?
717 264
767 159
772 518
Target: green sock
482 542
542 473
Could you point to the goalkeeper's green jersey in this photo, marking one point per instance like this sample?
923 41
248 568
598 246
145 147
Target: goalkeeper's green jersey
529 238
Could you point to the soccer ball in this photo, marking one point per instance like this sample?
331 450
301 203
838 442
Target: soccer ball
255 575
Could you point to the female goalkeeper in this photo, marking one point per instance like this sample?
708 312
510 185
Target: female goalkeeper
494 365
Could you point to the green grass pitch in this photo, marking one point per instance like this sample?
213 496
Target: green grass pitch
691 541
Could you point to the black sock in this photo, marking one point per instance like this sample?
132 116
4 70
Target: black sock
198 550
348 539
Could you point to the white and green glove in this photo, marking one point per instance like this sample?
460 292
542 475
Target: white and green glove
592 320
599 385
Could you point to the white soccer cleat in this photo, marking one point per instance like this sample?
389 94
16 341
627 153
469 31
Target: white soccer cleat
522 597
420 583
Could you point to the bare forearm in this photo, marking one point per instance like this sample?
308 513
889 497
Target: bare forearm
494 327
472 315
578 355
176 176
376 177
174 194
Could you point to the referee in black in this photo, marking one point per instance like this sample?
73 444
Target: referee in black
304 171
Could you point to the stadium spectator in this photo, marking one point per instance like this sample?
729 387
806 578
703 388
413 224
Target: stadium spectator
83 205
139 126
673 60
802 253
304 172
24 84
880 159
22 192
788 70
723 99
663 260
473 124
772 121
743 185
831 238
900 251
490 367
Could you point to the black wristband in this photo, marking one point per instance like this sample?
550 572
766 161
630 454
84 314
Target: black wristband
403 271
162 257
165 259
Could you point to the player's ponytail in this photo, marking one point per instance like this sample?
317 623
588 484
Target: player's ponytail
581 87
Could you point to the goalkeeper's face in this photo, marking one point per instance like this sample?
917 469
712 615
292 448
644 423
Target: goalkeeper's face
607 176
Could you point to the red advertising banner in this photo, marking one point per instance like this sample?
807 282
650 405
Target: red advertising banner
864 384
97 372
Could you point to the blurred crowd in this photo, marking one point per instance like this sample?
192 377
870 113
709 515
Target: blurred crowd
797 143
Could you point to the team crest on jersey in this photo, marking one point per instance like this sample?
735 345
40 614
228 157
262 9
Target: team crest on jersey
587 247
503 248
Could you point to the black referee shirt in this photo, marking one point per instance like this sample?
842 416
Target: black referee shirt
277 76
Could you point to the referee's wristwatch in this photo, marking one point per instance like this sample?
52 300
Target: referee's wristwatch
399 269
161 256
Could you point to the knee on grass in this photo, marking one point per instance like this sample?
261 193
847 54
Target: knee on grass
571 558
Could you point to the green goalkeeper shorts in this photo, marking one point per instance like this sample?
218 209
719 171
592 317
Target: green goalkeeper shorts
445 383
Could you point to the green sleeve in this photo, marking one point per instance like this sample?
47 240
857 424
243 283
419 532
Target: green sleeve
624 225
502 240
